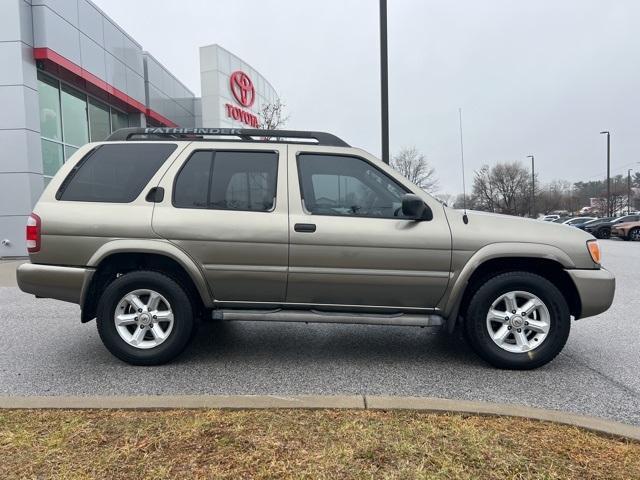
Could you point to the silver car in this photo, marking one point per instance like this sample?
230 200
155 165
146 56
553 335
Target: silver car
156 229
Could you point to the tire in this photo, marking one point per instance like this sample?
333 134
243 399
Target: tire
538 289
159 338
603 233
634 234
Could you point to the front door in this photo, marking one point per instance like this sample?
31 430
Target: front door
228 210
349 243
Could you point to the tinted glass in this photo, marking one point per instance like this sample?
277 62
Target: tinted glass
224 180
74 116
119 120
99 121
192 185
52 157
244 181
49 98
115 173
340 185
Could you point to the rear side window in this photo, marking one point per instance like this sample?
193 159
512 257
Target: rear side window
227 180
114 173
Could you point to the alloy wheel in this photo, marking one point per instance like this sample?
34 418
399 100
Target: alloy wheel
518 321
143 318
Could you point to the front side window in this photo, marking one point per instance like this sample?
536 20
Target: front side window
114 173
347 186
228 180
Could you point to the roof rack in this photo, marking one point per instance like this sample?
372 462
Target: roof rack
247 135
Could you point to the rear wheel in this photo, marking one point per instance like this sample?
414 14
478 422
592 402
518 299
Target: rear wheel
517 320
145 318
634 234
604 233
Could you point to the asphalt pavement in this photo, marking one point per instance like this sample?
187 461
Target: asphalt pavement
45 350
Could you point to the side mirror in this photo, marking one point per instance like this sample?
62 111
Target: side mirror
414 207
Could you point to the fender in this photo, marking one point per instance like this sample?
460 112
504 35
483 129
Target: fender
451 303
159 247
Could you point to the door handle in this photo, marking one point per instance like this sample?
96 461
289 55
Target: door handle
305 227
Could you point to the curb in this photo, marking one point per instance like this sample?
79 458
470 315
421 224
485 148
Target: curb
353 402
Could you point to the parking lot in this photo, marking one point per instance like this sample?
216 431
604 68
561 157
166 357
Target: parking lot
45 350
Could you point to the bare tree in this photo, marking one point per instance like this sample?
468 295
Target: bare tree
415 167
503 188
272 115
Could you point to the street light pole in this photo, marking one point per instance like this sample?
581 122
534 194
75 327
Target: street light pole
384 82
532 209
629 191
609 212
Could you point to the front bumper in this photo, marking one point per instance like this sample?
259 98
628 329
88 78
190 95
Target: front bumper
50 281
596 289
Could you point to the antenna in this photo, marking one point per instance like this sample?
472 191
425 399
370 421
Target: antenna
465 218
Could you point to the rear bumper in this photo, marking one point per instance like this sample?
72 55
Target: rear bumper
49 281
596 289
617 233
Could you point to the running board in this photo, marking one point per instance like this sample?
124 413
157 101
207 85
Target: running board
318 316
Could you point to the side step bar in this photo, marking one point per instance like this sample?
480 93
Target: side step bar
318 316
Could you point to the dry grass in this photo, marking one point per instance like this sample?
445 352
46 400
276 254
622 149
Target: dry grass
278 444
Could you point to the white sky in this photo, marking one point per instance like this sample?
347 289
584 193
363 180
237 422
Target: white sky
538 77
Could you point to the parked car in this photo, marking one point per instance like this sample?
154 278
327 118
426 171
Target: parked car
594 222
627 231
157 228
575 221
603 229
550 218
561 219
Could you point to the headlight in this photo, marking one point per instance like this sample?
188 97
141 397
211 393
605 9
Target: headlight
594 250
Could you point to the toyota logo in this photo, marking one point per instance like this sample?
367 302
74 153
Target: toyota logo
242 88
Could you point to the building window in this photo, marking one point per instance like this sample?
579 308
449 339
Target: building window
50 123
70 118
98 121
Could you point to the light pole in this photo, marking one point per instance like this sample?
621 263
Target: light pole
629 191
609 212
532 210
384 82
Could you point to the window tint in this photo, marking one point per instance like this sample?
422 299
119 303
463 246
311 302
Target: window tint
74 116
226 180
341 185
192 184
98 121
114 173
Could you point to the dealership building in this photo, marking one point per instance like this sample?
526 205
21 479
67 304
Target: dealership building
70 75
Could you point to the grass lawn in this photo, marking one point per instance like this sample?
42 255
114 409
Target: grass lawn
276 444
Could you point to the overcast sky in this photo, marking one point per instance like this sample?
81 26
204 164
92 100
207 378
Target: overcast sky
538 77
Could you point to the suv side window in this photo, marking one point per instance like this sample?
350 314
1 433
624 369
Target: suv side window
347 186
114 173
228 180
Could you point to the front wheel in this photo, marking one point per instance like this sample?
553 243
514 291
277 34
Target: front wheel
145 318
517 320
604 233
634 235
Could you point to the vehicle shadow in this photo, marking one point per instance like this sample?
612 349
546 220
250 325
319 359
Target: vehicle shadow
325 342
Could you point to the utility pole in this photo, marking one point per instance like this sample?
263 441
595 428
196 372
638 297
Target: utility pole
609 209
532 209
384 82
629 191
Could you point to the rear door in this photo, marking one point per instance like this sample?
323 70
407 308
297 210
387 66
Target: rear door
228 209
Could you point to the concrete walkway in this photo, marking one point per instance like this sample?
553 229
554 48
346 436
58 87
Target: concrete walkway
8 272
357 402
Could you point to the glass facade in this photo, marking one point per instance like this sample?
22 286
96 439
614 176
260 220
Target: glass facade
70 118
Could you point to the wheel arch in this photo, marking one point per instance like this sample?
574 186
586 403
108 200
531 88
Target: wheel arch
125 256
547 261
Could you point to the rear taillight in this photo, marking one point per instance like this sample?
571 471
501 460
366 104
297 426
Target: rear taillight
33 233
